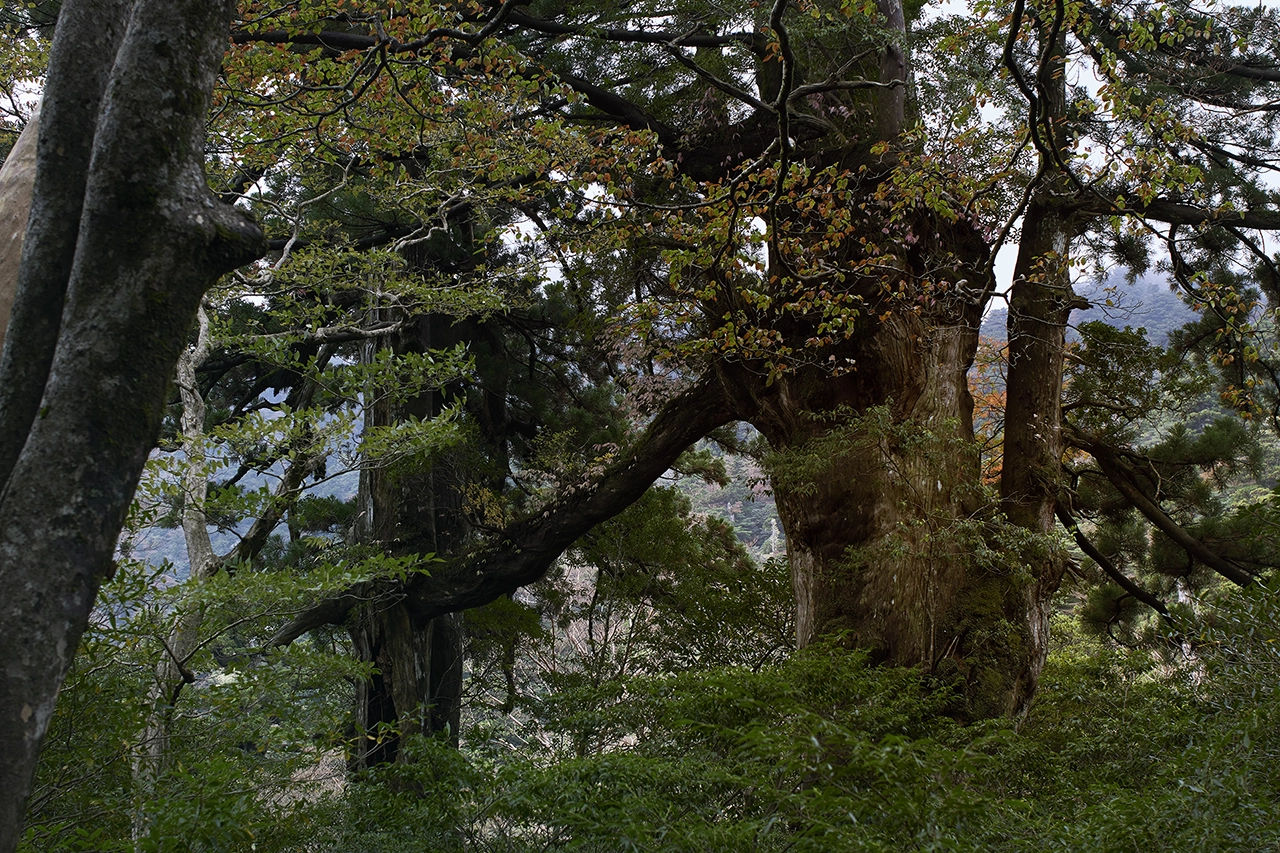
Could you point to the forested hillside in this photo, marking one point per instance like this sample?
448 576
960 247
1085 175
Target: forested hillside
529 426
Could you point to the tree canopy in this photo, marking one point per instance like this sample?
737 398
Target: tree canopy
395 310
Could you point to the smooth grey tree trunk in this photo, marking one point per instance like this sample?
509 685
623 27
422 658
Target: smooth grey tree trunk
85 43
107 306
17 178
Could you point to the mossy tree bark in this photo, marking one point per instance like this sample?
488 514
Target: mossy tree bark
878 488
1039 306
877 540
883 506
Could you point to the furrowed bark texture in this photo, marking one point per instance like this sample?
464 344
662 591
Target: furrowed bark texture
881 523
416 686
1039 306
151 240
878 521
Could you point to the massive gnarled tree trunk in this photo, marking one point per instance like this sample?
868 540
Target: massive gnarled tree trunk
872 481
877 537
124 239
877 483
877 487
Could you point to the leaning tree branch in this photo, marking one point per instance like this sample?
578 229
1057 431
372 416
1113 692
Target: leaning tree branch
524 551
505 15
1181 213
1122 476
623 110
1250 72
752 40
1121 579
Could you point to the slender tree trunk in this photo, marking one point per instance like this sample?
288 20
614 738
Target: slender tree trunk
1039 306
17 178
417 682
172 672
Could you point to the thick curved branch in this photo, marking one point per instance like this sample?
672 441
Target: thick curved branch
620 108
1249 72
524 552
751 40
337 40
1179 213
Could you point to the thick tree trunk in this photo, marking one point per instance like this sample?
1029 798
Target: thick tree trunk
874 484
151 240
84 47
877 487
416 686
882 504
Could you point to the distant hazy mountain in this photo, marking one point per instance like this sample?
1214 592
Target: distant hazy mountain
1148 303
156 545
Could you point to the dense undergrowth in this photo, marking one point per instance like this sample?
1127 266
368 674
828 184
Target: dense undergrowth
1174 748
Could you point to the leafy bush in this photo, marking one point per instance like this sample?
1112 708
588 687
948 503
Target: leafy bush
1125 749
